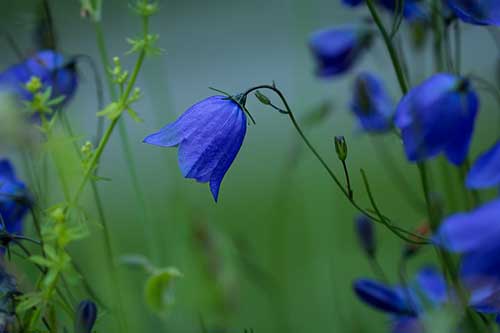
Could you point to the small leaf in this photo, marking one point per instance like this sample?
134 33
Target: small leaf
28 301
41 261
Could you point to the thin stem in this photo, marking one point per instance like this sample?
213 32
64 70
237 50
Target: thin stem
390 47
348 180
124 137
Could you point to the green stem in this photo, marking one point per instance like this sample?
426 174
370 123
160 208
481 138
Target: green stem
124 137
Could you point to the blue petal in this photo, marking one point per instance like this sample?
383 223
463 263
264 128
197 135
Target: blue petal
479 12
6 169
381 297
371 103
465 232
486 170
407 325
432 284
352 3
337 49
437 117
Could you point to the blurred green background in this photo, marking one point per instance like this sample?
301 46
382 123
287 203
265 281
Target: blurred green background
278 252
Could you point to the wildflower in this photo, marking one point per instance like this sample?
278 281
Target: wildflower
475 235
86 315
14 199
364 231
486 170
412 10
371 103
438 116
49 67
337 49
405 304
209 136
479 12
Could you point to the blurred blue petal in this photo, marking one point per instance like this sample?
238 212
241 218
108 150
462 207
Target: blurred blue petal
14 198
412 10
438 116
352 3
381 297
473 231
407 325
486 170
365 233
209 135
432 284
371 103
479 12
336 50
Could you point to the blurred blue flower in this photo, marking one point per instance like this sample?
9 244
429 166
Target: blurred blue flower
412 10
371 103
14 198
405 304
86 315
209 136
438 116
475 235
365 232
352 3
336 50
479 12
47 65
486 170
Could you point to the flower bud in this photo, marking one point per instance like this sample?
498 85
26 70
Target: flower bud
366 238
262 98
34 84
341 147
86 315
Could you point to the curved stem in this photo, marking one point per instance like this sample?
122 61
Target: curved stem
401 233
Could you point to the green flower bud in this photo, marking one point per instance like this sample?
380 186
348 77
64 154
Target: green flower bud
262 98
341 147
34 85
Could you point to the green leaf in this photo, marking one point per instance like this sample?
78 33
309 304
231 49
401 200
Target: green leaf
28 301
158 290
112 111
134 115
41 261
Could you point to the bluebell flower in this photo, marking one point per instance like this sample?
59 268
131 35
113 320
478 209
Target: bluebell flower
412 10
486 170
365 232
479 12
50 68
475 235
352 3
336 50
405 304
371 103
14 198
86 315
438 116
209 136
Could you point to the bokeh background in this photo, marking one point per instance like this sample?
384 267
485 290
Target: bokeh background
278 252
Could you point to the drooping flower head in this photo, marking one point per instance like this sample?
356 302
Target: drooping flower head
438 116
209 136
405 304
412 9
475 235
479 12
14 198
336 50
371 103
50 68
365 231
86 315
486 170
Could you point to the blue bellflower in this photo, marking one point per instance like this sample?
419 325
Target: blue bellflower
86 315
485 172
475 235
14 198
336 50
50 68
404 304
479 12
438 116
372 104
365 232
412 10
209 136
